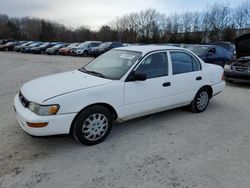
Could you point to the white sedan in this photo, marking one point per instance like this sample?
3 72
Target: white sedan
122 84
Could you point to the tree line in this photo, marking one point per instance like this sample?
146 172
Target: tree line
215 22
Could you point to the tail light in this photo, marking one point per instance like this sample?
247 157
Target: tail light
222 77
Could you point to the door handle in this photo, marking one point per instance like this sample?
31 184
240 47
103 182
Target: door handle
199 78
166 84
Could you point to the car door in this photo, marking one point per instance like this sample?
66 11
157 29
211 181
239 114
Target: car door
186 77
222 56
142 97
210 55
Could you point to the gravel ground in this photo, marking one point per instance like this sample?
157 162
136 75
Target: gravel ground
171 149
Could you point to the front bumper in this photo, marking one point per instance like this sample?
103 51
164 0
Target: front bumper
95 53
73 53
64 52
57 124
237 76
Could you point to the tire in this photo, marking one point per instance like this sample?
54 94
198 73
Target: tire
92 125
6 49
85 53
201 101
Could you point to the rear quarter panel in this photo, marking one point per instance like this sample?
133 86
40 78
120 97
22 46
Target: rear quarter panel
212 73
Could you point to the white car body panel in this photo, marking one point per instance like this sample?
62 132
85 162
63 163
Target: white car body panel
58 84
76 90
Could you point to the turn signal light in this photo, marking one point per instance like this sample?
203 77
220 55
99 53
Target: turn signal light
37 125
53 109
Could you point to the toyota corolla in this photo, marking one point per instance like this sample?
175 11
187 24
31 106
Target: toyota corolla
122 84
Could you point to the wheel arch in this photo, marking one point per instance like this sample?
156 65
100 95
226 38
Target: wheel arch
110 108
209 88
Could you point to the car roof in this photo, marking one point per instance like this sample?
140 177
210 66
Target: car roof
207 45
149 48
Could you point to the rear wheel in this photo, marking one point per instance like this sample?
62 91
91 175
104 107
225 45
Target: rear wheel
201 101
92 125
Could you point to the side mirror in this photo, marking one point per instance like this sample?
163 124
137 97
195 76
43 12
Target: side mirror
138 76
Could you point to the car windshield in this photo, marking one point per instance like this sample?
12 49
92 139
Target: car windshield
9 43
83 44
24 44
105 44
198 50
34 44
44 45
57 46
73 45
113 64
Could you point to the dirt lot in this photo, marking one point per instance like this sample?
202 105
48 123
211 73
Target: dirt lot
171 149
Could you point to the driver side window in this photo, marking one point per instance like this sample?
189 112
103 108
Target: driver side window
155 65
212 51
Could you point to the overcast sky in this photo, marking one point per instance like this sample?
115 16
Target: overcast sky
95 13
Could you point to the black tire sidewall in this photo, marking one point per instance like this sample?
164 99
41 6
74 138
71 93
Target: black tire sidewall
85 53
82 116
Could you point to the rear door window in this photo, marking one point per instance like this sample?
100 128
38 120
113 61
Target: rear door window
183 62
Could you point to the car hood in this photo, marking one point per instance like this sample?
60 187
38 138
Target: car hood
44 88
242 46
242 62
64 49
82 48
51 49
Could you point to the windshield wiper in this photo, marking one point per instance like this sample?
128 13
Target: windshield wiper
93 72
82 69
96 73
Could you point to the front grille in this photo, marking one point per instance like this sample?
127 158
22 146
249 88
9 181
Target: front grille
23 100
241 69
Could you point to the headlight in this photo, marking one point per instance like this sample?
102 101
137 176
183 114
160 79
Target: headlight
43 110
227 67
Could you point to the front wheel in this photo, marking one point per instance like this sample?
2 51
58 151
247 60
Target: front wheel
201 101
85 53
92 125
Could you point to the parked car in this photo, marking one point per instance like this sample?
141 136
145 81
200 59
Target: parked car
227 45
7 46
212 54
239 70
54 50
26 49
10 45
104 47
42 48
4 41
117 86
66 50
18 48
84 48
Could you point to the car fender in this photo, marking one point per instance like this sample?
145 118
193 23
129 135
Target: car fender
111 94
